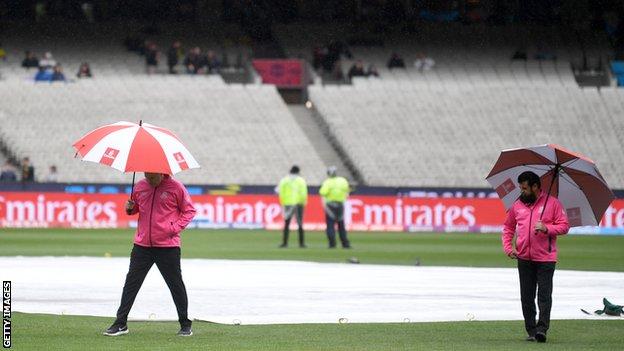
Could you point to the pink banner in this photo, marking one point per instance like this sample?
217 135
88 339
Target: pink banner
386 213
282 73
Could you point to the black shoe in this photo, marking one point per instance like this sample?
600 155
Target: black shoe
283 246
116 330
540 337
346 247
185 331
332 247
530 338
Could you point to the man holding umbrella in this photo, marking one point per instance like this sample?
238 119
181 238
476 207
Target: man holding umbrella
163 204
165 209
577 196
537 219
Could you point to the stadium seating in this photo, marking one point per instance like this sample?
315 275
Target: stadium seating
442 127
242 134
464 55
101 45
405 133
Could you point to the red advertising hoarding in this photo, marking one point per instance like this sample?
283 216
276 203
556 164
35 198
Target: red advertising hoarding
282 73
388 213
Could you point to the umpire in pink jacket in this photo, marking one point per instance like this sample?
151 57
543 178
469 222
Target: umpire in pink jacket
165 209
537 220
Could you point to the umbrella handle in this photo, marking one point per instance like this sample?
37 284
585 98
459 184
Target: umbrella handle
555 175
132 188
134 173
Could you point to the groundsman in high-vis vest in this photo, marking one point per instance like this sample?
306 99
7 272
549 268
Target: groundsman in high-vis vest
334 192
293 196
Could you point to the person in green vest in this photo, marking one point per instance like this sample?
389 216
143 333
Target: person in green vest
334 192
293 196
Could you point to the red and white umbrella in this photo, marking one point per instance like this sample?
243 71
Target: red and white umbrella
131 147
571 177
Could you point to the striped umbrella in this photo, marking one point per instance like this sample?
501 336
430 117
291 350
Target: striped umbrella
131 147
571 177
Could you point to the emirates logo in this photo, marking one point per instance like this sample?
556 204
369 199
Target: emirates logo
180 160
505 188
109 156
574 216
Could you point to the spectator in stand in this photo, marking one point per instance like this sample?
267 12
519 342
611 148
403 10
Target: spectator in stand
372 71
339 48
332 54
357 70
143 47
52 176
329 62
84 71
318 55
173 56
2 53
192 62
48 61
30 60
43 75
212 62
519 55
87 11
396 61
7 173
57 74
151 58
423 62
337 72
203 64
28 171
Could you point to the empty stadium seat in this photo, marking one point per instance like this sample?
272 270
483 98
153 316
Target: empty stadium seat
436 136
239 134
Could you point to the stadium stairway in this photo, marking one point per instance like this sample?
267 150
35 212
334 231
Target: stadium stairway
316 130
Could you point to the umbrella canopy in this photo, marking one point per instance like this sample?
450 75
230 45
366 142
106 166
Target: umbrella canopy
131 147
571 177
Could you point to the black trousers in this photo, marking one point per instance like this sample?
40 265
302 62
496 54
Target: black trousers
297 211
536 276
334 214
167 260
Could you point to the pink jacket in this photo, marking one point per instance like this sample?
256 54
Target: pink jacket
521 219
164 211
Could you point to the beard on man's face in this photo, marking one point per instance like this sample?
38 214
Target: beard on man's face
528 198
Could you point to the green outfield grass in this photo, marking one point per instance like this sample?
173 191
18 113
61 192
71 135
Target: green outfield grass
601 253
49 332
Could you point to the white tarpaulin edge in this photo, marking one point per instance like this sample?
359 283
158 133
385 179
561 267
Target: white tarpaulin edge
276 292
